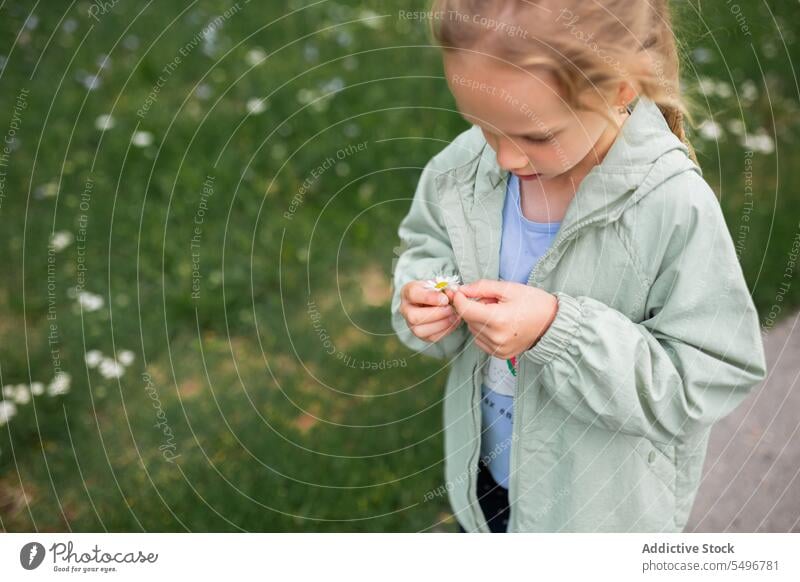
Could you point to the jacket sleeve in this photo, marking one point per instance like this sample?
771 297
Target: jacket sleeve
690 362
426 252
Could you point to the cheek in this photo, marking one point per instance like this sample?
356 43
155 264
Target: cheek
573 148
490 140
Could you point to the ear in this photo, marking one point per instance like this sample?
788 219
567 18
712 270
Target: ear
625 94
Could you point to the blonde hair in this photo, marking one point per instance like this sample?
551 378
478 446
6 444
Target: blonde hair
586 44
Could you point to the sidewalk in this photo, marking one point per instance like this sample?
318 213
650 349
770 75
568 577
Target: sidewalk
751 477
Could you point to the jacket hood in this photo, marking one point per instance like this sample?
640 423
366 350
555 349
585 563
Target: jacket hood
645 154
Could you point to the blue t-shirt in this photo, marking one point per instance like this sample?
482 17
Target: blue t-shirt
523 243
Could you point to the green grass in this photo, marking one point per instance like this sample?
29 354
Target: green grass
272 432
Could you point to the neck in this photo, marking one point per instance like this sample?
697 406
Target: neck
549 201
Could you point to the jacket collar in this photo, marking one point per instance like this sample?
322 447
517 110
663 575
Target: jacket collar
644 154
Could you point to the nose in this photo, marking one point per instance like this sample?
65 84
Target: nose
509 156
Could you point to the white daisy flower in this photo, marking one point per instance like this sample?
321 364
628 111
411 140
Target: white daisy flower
760 142
256 106
90 301
125 357
736 126
9 391
371 19
104 122
203 91
333 86
131 42
103 61
7 411
93 358
710 130
22 394
60 384
255 56
37 388
749 91
141 139
91 82
61 240
442 282
111 368
47 190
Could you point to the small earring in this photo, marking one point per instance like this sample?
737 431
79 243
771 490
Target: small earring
623 109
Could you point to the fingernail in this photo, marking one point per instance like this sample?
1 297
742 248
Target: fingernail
443 300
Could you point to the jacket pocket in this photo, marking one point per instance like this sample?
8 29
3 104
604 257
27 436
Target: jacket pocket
593 479
660 460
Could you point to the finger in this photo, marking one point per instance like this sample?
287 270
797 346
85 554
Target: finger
479 330
471 311
485 346
419 295
423 315
487 288
437 328
447 331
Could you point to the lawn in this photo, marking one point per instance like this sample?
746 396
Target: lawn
199 209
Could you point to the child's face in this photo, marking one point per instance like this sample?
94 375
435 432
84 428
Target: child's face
524 119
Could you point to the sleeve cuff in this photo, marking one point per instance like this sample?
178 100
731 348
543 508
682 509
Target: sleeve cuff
560 333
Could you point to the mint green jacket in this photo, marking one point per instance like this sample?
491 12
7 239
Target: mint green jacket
655 339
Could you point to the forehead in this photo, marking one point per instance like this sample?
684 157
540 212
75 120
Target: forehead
499 95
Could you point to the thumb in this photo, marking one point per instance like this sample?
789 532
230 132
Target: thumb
473 311
487 288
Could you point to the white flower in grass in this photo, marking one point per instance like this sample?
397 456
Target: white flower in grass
442 282
37 388
736 126
7 411
60 384
111 368
47 190
371 19
125 357
22 394
710 130
141 139
131 42
61 240
104 122
748 91
93 358
90 301
760 142
203 91
9 391
255 56
256 106
91 82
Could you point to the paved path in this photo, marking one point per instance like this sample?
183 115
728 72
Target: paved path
751 478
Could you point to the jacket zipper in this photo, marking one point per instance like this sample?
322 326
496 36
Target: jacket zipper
472 492
517 414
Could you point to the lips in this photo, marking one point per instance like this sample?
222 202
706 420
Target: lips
529 176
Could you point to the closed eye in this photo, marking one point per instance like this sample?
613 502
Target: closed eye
537 140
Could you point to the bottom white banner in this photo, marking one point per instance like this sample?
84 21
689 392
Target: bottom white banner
393 556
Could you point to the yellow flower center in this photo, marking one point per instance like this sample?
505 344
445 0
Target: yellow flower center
441 285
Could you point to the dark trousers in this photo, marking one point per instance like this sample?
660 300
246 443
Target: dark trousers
493 499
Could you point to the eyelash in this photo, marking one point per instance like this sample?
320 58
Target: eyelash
537 140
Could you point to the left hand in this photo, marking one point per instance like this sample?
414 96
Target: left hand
508 318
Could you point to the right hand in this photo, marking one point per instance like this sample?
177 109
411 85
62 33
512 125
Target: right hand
428 318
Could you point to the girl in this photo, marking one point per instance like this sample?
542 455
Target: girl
605 324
